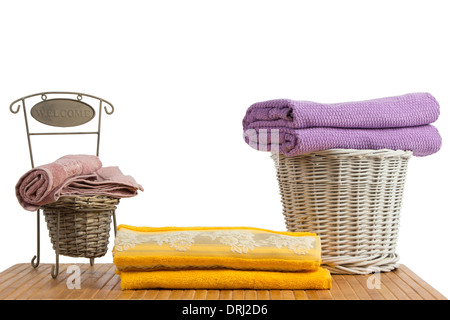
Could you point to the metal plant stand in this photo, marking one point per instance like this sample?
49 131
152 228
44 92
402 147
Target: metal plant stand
66 109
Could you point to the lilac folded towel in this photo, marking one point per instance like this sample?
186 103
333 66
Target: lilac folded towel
421 140
297 127
72 175
413 109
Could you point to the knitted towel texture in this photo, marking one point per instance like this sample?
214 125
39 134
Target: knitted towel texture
297 127
422 140
413 109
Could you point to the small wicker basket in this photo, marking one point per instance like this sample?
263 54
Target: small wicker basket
350 198
84 225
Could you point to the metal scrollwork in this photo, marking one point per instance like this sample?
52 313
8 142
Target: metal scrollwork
17 109
111 107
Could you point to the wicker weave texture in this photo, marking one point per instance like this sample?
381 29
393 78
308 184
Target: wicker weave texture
84 225
352 199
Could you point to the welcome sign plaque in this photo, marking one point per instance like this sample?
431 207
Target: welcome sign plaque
62 112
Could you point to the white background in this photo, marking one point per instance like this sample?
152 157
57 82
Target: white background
181 75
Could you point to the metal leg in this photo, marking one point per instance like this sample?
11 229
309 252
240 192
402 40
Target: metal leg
114 220
36 258
91 261
55 268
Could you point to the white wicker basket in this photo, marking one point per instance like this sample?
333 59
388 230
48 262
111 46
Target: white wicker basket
352 199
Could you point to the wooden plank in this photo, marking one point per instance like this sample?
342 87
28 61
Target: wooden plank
125 294
263 294
300 295
400 288
238 294
12 271
200 294
212 294
375 286
335 290
86 274
24 289
109 285
163 294
57 288
250 295
345 288
115 291
21 281
324 294
385 292
418 284
176 295
312 294
225 294
87 283
359 289
372 291
188 295
41 291
150 294
100 282
138 294
15 276
414 286
275 295
287 295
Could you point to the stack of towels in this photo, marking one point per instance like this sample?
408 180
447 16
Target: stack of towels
218 258
297 127
73 175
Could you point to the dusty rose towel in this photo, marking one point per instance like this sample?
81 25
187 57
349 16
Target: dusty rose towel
72 175
108 181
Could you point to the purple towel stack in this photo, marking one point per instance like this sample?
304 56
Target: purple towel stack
297 127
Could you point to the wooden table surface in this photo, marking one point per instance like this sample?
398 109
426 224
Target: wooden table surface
21 281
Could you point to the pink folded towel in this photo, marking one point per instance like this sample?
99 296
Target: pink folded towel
72 175
107 181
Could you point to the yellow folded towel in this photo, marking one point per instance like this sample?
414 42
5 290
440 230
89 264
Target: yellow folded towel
243 248
226 279
218 257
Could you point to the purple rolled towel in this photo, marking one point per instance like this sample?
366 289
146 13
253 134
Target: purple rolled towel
421 140
413 109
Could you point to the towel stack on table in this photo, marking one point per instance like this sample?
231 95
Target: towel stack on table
218 258
73 175
297 127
